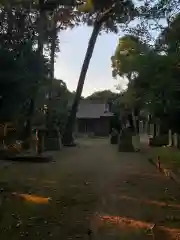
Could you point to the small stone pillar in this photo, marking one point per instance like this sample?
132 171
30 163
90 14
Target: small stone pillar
175 140
170 137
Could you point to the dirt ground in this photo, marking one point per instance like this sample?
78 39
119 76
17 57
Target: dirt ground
96 193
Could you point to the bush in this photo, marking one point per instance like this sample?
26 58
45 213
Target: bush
159 141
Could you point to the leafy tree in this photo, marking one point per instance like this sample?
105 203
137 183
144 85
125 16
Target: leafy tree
104 15
59 19
60 99
19 64
109 15
156 83
34 24
104 96
128 57
22 69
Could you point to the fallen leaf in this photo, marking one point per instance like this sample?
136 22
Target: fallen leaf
19 224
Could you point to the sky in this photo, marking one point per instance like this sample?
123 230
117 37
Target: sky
73 45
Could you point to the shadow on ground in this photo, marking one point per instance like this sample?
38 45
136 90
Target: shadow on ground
95 193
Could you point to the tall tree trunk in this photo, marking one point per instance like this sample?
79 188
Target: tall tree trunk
31 108
68 135
41 21
52 61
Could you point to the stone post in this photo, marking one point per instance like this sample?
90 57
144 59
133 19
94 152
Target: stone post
170 138
175 140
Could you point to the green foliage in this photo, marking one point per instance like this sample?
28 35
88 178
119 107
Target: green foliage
59 102
103 96
21 69
153 73
111 14
19 79
24 70
128 56
170 157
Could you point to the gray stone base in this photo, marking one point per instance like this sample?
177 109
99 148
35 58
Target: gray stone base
126 146
125 141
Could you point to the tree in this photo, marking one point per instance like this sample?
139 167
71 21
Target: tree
104 96
59 19
127 61
60 100
22 70
155 84
128 56
45 18
106 15
19 63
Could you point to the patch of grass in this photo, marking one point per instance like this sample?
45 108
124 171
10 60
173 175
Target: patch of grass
168 156
20 219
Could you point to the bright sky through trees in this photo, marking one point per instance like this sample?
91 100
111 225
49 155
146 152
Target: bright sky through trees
73 44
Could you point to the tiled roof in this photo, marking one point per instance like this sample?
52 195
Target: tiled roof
92 110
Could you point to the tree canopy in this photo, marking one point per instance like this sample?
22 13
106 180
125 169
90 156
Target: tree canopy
30 27
21 70
153 72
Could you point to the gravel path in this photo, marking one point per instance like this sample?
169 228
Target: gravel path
97 193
